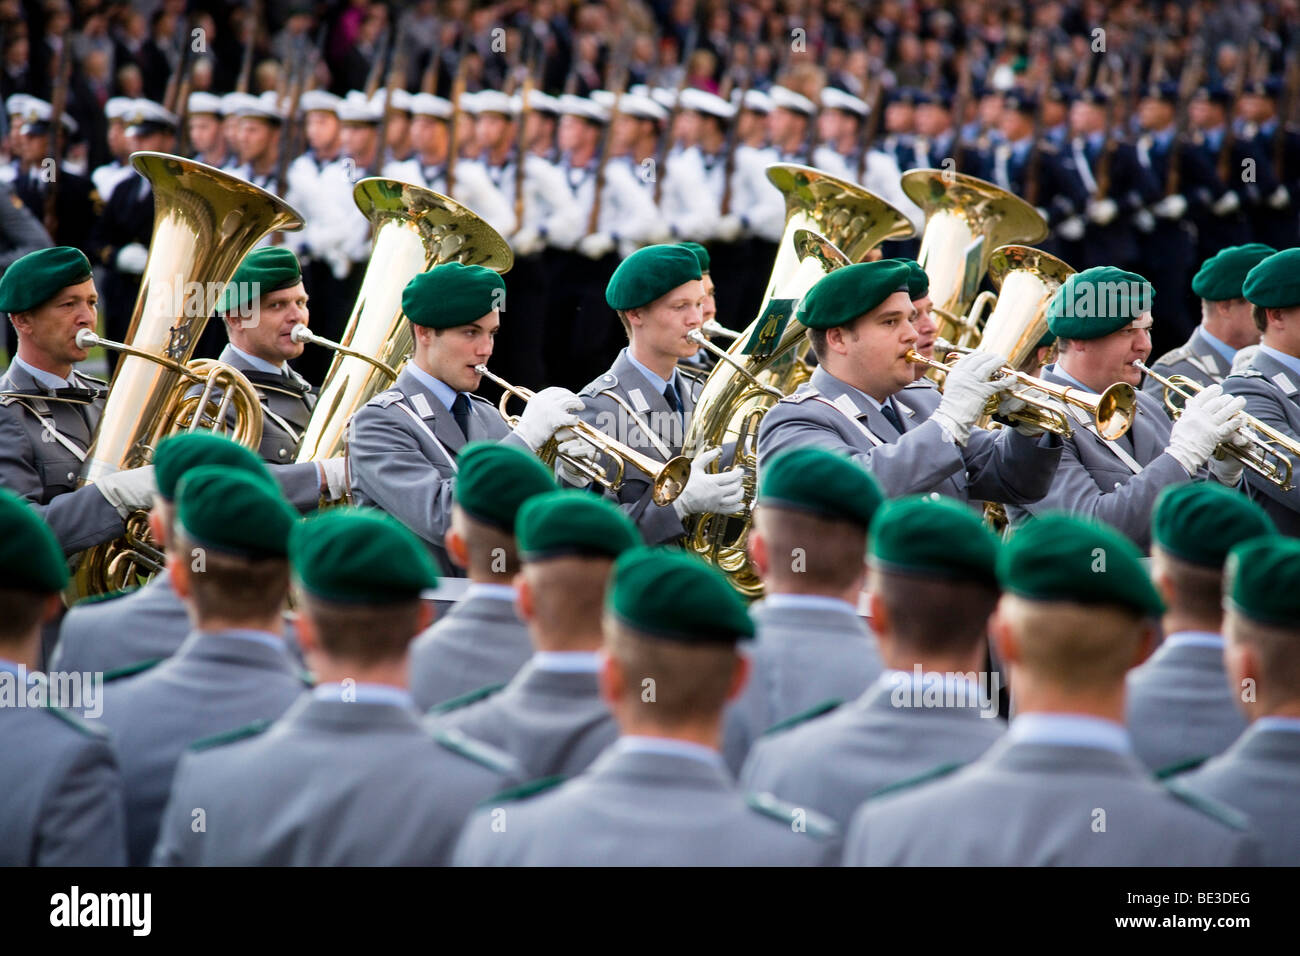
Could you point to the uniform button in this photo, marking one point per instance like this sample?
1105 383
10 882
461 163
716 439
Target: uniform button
1117 484
283 452
71 475
934 496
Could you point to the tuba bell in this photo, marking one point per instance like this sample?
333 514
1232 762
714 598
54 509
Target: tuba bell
965 220
205 222
415 230
829 223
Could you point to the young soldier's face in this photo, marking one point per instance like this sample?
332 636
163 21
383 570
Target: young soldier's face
205 131
662 326
873 348
322 129
452 355
491 130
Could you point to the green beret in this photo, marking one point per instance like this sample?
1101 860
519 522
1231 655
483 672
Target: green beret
676 596
934 536
1200 521
38 276
1273 284
648 273
493 480
232 511
701 254
1097 302
452 294
918 282
262 272
1221 276
177 454
1058 557
822 482
1045 340
1264 580
564 523
847 293
30 556
356 555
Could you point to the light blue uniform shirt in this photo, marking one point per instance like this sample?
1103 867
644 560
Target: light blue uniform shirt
810 602
248 634
1290 361
261 364
48 379
1069 730
1195 639
364 694
441 390
1223 348
670 747
567 662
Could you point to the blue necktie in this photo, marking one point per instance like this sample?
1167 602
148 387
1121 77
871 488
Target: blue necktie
891 416
460 412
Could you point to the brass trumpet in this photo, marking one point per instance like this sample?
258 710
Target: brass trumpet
668 478
1261 455
1112 411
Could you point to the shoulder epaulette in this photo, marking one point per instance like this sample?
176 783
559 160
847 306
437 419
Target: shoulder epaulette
106 596
1180 766
130 670
386 398
91 378
230 736
1207 805
816 710
802 396
813 823
483 754
464 700
306 676
1247 372
525 790
1172 356
932 774
602 384
77 723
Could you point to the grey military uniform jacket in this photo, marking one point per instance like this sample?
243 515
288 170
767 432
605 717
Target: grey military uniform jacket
1095 482
644 809
1004 466
1260 776
1036 804
147 624
1272 393
1178 706
480 641
799 657
657 523
1196 359
60 791
835 762
287 402
552 722
212 685
402 457
44 436
331 783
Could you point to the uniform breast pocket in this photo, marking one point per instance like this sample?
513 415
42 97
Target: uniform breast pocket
59 474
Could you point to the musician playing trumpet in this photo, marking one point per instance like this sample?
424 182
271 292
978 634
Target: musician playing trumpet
404 441
1102 320
913 440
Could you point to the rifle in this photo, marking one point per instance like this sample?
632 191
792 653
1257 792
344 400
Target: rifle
1289 101
1033 168
1229 133
1109 141
246 63
60 100
871 128
381 61
661 158
960 102
457 91
733 135
1186 85
176 98
398 60
521 144
297 79
429 82
620 71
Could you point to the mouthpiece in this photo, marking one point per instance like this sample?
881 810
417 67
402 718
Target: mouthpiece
301 333
87 339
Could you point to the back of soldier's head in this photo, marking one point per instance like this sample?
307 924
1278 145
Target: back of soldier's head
1262 621
492 482
32 571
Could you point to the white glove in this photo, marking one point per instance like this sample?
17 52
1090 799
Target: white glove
1008 407
132 258
335 472
545 414
1103 211
967 390
1279 198
729 228
1227 204
576 447
1071 230
597 245
130 490
1206 421
1226 470
1171 207
339 264
1143 221
528 241
659 233
723 493
1241 361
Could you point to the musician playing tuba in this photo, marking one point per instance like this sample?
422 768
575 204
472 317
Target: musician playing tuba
49 410
912 439
405 440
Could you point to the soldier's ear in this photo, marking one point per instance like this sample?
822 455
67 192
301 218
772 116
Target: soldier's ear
1003 637
1147 643
524 604
179 575
739 676
53 607
757 546
878 613
308 636
427 613
456 548
611 681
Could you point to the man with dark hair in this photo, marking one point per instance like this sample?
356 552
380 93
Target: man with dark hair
481 642
661 795
1062 787
1179 704
1270 384
63 791
550 716
347 777
231 568
933 585
1260 774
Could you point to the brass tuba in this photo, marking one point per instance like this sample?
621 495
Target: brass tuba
965 220
829 223
1025 280
205 222
415 229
